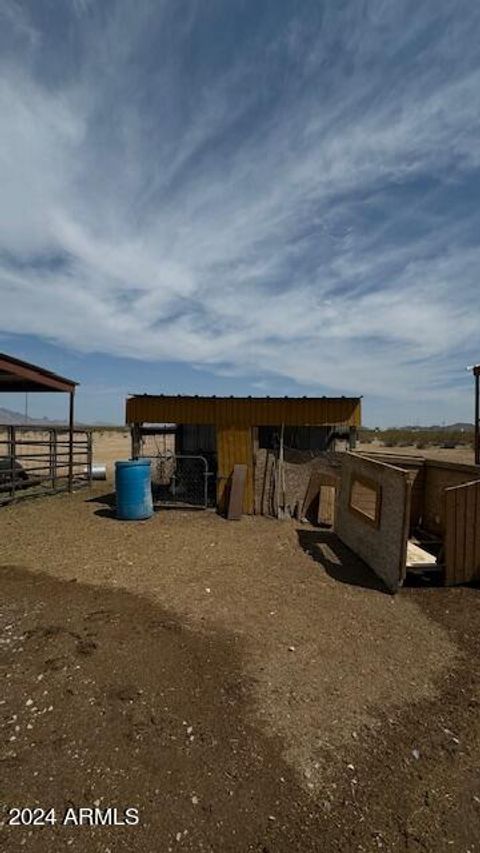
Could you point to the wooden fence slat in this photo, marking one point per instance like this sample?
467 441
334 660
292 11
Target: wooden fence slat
450 519
460 535
469 531
476 534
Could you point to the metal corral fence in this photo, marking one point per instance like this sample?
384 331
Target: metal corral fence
36 461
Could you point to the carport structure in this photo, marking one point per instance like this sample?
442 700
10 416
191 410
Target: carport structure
52 460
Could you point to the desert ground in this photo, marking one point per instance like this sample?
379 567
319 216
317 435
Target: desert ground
109 447
463 454
245 685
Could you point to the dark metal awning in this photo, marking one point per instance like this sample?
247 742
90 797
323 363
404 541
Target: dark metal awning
21 376
16 375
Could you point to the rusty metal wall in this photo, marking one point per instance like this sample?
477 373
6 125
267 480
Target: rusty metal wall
234 447
244 411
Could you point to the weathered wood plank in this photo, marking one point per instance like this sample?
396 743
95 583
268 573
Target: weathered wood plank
237 489
326 505
460 507
476 534
450 533
469 531
419 558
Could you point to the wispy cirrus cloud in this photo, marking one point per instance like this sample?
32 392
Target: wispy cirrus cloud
267 193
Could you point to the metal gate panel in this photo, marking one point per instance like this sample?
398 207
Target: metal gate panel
181 480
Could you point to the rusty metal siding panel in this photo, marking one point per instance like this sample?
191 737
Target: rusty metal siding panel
234 447
245 411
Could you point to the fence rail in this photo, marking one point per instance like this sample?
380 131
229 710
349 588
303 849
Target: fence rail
39 460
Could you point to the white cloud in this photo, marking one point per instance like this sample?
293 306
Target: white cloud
241 241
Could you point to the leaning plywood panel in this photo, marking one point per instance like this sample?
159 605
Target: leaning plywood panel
320 478
326 505
373 515
237 489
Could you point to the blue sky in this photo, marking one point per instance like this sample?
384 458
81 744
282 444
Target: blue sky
243 197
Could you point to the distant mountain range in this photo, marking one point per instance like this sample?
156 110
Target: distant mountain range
7 416
457 427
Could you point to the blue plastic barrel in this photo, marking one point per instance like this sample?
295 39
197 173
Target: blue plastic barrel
134 489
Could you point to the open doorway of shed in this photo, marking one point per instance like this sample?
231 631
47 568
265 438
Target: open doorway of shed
184 462
306 438
200 440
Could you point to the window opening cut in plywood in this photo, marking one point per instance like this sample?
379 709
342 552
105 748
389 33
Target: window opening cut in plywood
366 499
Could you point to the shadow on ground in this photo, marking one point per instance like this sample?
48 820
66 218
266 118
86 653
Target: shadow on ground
339 562
108 698
107 499
117 703
108 503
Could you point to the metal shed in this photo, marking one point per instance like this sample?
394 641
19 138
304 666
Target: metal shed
235 422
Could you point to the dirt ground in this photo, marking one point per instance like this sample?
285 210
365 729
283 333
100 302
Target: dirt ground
246 685
110 446
462 454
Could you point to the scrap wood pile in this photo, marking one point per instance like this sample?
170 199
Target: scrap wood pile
296 484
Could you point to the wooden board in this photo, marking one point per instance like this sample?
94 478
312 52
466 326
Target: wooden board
326 505
237 489
318 479
418 558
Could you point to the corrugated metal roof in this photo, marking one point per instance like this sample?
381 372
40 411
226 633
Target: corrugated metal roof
17 375
254 411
